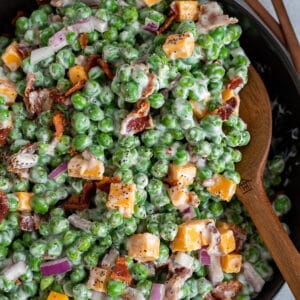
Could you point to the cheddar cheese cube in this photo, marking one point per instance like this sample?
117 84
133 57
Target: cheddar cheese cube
179 197
24 201
8 91
227 243
11 57
77 73
121 197
200 110
231 263
187 10
181 175
57 296
86 167
222 187
98 279
151 2
179 45
143 247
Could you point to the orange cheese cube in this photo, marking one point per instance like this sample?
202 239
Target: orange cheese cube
86 167
98 279
8 91
151 2
221 226
179 45
77 73
199 110
143 247
187 10
179 197
182 175
57 296
228 94
231 263
11 58
121 196
222 187
227 244
24 201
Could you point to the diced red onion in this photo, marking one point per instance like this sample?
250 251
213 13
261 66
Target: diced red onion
59 40
80 223
40 54
252 277
188 214
157 291
62 3
151 25
204 257
98 296
109 259
58 170
214 270
99 25
174 8
55 267
184 260
13 272
86 25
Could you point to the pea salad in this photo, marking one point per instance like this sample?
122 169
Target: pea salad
119 135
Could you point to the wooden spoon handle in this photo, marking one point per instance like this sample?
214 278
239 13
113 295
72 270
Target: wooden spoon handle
289 32
282 249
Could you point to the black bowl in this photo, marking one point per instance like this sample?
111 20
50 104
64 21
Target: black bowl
273 63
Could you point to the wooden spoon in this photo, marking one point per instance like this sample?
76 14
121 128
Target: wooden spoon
255 110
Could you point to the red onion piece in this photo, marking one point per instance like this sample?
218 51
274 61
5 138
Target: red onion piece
109 259
174 8
80 223
157 291
13 272
98 296
40 54
56 267
252 277
214 270
188 214
184 260
82 26
151 25
59 40
204 257
58 170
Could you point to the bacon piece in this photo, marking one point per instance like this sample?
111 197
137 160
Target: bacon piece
240 237
4 207
91 61
120 270
149 89
23 50
105 67
30 79
83 40
227 290
76 87
29 222
104 183
234 83
88 192
137 120
20 13
167 23
40 101
211 16
226 110
3 135
59 123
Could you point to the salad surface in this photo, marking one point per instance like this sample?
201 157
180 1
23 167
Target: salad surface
119 134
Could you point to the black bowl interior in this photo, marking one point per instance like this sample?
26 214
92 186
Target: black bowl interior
283 84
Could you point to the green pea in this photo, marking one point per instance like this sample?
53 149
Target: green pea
204 286
83 243
168 231
81 142
216 208
29 129
45 35
140 212
276 164
110 52
160 168
69 237
58 225
46 282
80 122
129 226
139 271
181 157
39 18
39 204
66 58
38 248
156 100
235 31
282 204
54 247
99 229
115 218
264 269
115 288
74 255
106 125
81 292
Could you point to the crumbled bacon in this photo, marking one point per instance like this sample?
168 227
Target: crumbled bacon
29 222
76 87
211 16
3 135
81 202
234 83
226 110
104 183
120 270
137 120
83 40
59 123
23 50
240 237
40 101
91 61
227 290
30 79
105 67
20 13
4 207
168 22
149 89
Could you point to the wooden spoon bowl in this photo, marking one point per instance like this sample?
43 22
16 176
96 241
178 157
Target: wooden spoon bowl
256 111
